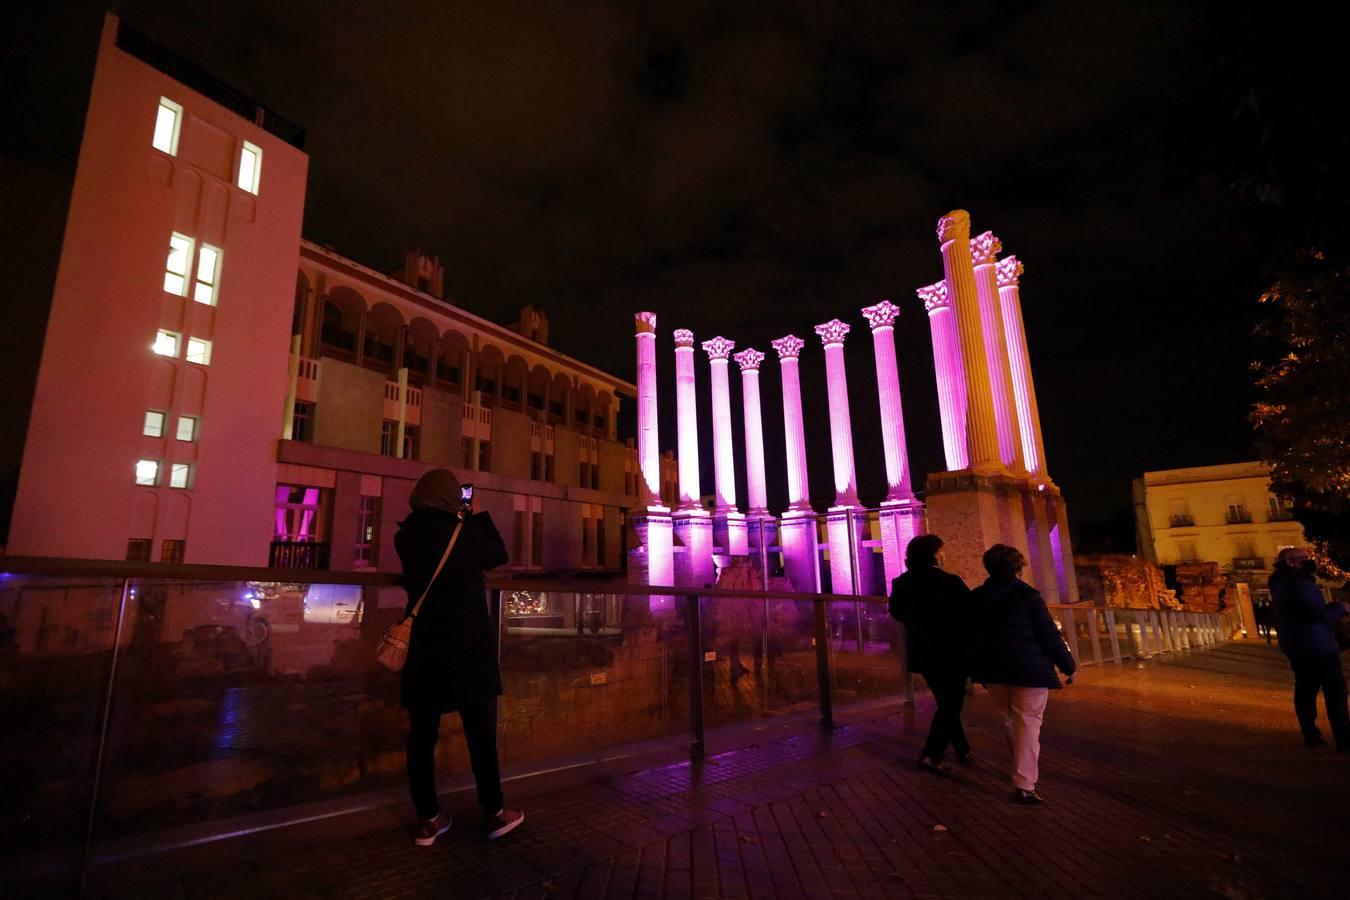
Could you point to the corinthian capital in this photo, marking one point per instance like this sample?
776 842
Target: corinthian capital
645 322
684 338
749 359
934 297
832 332
1009 271
881 314
718 348
789 346
985 248
954 226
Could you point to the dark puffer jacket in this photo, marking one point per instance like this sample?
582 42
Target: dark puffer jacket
1303 620
939 620
452 660
1018 643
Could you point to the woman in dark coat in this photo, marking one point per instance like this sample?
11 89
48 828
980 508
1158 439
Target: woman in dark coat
452 658
935 608
1016 653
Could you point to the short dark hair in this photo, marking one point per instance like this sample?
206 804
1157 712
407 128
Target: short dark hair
922 551
1002 561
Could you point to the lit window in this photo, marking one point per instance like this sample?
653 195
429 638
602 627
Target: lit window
198 351
166 343
187 428
208 270
154 423
147 472
250 167
172 551
168 121
179 475
176 269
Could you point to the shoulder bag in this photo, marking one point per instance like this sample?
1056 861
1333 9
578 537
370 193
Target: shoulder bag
392 653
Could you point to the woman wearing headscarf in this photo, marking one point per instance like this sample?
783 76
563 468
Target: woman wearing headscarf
452 657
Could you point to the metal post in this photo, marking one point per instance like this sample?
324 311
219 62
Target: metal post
694 626
88 849
1110 615
855 563
823 664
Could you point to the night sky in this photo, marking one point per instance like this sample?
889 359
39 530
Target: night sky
752 172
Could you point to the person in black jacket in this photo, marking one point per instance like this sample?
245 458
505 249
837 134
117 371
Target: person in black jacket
1303 626
452 657
1016 653
935 608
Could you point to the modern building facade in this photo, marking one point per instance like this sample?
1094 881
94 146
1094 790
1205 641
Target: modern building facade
214 389
1225 514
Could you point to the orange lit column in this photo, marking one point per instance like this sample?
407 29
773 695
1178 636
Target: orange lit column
953 232
984 250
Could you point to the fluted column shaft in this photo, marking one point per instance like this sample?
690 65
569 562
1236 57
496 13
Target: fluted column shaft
984 249
755 491
789 348
649 454
981 432
881 318
832 335
951 379
718 350
1009 273
686 412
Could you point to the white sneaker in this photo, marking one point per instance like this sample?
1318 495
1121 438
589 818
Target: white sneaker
504 822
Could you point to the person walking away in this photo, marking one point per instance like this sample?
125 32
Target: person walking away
452 657
1304 625
1016 652
935 608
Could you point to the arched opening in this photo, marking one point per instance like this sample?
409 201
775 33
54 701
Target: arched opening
600 414
342 313
559 399
384 327
581 412
536 389
419 349
514 375
450 361
488 378
298 311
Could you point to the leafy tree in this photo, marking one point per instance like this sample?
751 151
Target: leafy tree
1302 415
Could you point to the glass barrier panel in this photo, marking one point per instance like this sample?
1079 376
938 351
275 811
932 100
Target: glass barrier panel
56 652
866 652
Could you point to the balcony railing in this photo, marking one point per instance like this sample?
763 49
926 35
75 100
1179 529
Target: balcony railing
1238 517
1248 562
133 685
1182 521
298 555
336 337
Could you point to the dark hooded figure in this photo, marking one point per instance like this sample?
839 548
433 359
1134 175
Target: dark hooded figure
452 658
1303 628
935 608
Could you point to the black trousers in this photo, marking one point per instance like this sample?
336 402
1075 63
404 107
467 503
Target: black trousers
1321 672
949 690
480 733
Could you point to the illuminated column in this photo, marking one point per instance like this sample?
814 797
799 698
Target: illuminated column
951 379
789 348
649 454
728 520
832 334
953 232
686 410
1009 272
881 318
984 250
749 360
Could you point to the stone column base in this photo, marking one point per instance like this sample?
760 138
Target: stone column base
694 533
801 558
652 561
901 521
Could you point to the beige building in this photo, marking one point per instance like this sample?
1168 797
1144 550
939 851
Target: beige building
1225 514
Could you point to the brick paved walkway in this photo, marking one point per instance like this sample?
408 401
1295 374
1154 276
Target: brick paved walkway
1183 777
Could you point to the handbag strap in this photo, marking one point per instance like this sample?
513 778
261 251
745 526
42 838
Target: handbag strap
444 556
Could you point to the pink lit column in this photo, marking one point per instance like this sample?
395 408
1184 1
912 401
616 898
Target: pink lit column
749 360
953 233
984 250
801 559
1009 273
652 560
728 518
841 528
951 378
692 524
900 518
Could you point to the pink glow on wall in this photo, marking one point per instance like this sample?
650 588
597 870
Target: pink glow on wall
719 350
881 317
756 494
686 411
953 233
789 348
649 454
951 379
1009 271
984 249
832 334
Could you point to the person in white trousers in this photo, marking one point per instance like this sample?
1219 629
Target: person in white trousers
1015 656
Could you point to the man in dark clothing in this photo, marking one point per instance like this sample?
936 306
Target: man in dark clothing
934 607
1304 623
